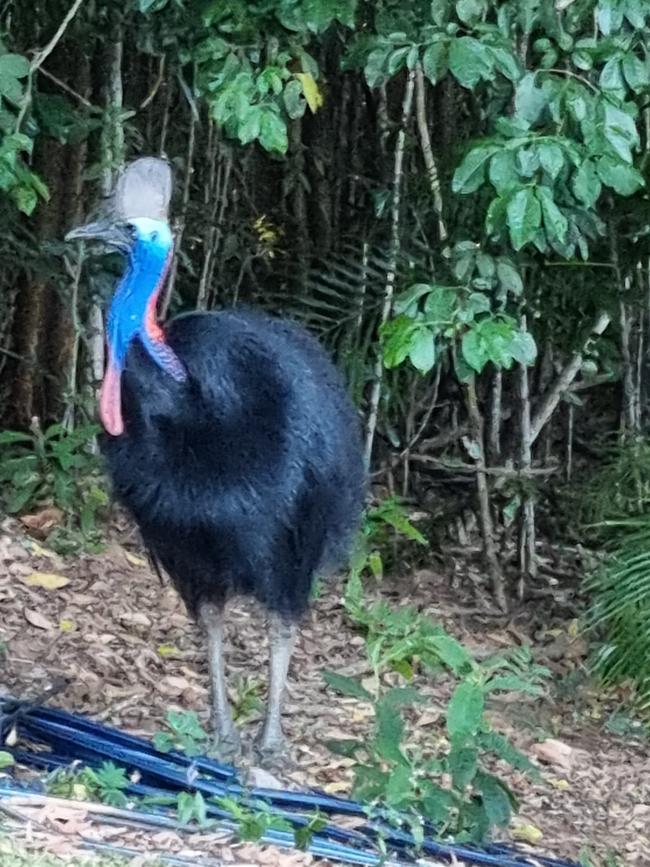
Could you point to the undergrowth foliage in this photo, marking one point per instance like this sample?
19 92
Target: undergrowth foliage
446 781
55 467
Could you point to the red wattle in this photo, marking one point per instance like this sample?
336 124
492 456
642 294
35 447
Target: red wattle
110 401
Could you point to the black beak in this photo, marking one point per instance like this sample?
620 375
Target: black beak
112 234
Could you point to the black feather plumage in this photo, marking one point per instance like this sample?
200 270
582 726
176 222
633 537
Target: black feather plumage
247 477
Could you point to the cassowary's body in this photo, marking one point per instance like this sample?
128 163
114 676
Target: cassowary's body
231 440
246 477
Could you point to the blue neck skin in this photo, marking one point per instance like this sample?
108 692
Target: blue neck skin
133 309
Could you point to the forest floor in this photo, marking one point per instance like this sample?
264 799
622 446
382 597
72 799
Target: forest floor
129 653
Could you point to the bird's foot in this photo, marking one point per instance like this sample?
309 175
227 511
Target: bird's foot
225 745
272 752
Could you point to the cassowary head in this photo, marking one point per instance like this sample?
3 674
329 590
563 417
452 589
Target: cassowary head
136 224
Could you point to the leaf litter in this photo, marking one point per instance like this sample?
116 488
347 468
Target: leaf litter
128 653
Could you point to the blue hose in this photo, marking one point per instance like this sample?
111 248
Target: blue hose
164 775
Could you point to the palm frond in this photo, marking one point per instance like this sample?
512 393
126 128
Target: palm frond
620 609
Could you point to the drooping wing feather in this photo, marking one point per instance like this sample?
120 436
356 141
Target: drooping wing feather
144 189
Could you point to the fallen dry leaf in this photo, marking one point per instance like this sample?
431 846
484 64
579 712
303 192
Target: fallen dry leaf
47 580
554 752
526 832
37 619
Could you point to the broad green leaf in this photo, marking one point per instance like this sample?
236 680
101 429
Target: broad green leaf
551 158
294 100
389 731
397 59
463 764
530 100
486 266
609 16
346 685
471 11
470 174
506 62
527 160
396 337
502 171
509 277
523 347
13 66
524 217
6 759
470 61
375 68
435 62
407 301
623 178
497 799
474 351
451 653
620 131
273 132
312 92
555 223
611 79
441 304
249 128
636 12
465 710
399 789
422 352
586 184
635 72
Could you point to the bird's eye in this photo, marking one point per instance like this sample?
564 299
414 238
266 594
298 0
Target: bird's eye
131 229
154 236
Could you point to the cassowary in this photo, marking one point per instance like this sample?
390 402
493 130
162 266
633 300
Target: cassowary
229 438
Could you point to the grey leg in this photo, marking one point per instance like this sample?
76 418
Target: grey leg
282 636
226 735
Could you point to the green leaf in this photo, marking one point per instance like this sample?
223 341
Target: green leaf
474 350
399 789
620 131
249 128
389 731
463 764
470 174
497 800
524 217
611 79
470 61
375 68
294 100
635 72
470 11
25 198
369 783
451 653
465 710
523 347
346 685
551 158
586 184
397 59
506 62
530 100
6 759
422 352
502 171
273 132
14 66
555 223
609 16
435 62
623 178
509 277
